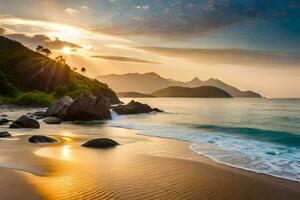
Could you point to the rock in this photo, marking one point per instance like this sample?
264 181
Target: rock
134 107
25 122
60 107
3 121
13 125
40 114
52 120
87 107
4 134
101 143
41 139
157 110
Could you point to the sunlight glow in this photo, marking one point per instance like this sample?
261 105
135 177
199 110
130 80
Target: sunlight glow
67 50
66 152
63 31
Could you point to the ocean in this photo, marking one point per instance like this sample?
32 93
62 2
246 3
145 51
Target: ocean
260 135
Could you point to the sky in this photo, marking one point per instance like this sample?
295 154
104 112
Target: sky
251 44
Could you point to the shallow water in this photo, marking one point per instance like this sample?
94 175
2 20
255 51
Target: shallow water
261 135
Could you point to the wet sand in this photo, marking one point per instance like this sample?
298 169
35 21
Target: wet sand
140 168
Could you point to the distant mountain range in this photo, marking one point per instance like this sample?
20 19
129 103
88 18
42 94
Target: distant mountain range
148 83
202 92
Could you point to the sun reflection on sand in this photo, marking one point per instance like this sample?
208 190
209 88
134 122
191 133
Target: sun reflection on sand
66 152
66 133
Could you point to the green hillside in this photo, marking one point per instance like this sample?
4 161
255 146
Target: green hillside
198 92
24 72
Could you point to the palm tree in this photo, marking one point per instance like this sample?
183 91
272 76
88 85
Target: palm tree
60 59
83 70
39 48
42 50
46 51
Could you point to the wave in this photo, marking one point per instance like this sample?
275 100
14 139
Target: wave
286 138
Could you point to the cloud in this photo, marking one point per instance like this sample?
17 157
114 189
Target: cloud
124 59
231 56
71 11
183 18
2 31
84 7
67 32
41 39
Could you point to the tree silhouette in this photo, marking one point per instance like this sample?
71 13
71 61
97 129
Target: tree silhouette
74 68
46 51
42 50
60 59
39 48
83 70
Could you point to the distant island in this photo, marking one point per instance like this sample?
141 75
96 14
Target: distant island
198 92
148 83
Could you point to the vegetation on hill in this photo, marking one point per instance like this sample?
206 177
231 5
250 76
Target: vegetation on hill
201 92
28 76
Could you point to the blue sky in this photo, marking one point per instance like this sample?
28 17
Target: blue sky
258 24
265 36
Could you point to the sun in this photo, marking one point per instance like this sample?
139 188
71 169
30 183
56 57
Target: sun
67 50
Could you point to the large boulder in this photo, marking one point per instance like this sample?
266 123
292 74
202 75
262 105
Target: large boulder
134 107
60 108
3 121
87 107
25 122
101 143
52 120
41 139
4 134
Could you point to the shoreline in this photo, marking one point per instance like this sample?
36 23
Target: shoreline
160 159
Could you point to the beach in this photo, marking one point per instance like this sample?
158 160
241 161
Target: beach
140 168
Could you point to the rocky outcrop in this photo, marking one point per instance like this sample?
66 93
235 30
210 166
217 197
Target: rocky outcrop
3 121
4 134
25 122
83 108
134 107
41 139
87 107
101 143
52 120
60 108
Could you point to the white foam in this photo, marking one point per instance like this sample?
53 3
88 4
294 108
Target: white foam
248 154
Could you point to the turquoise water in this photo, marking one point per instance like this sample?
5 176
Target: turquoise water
261 135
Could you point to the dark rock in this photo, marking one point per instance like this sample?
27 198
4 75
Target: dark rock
157 110
60 107
4 134
3 121
40 114
13 125
52 120
41 139
134 107
25 122
37 117
87 107
101 143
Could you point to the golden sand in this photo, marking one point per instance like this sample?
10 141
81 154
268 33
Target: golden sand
140 168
